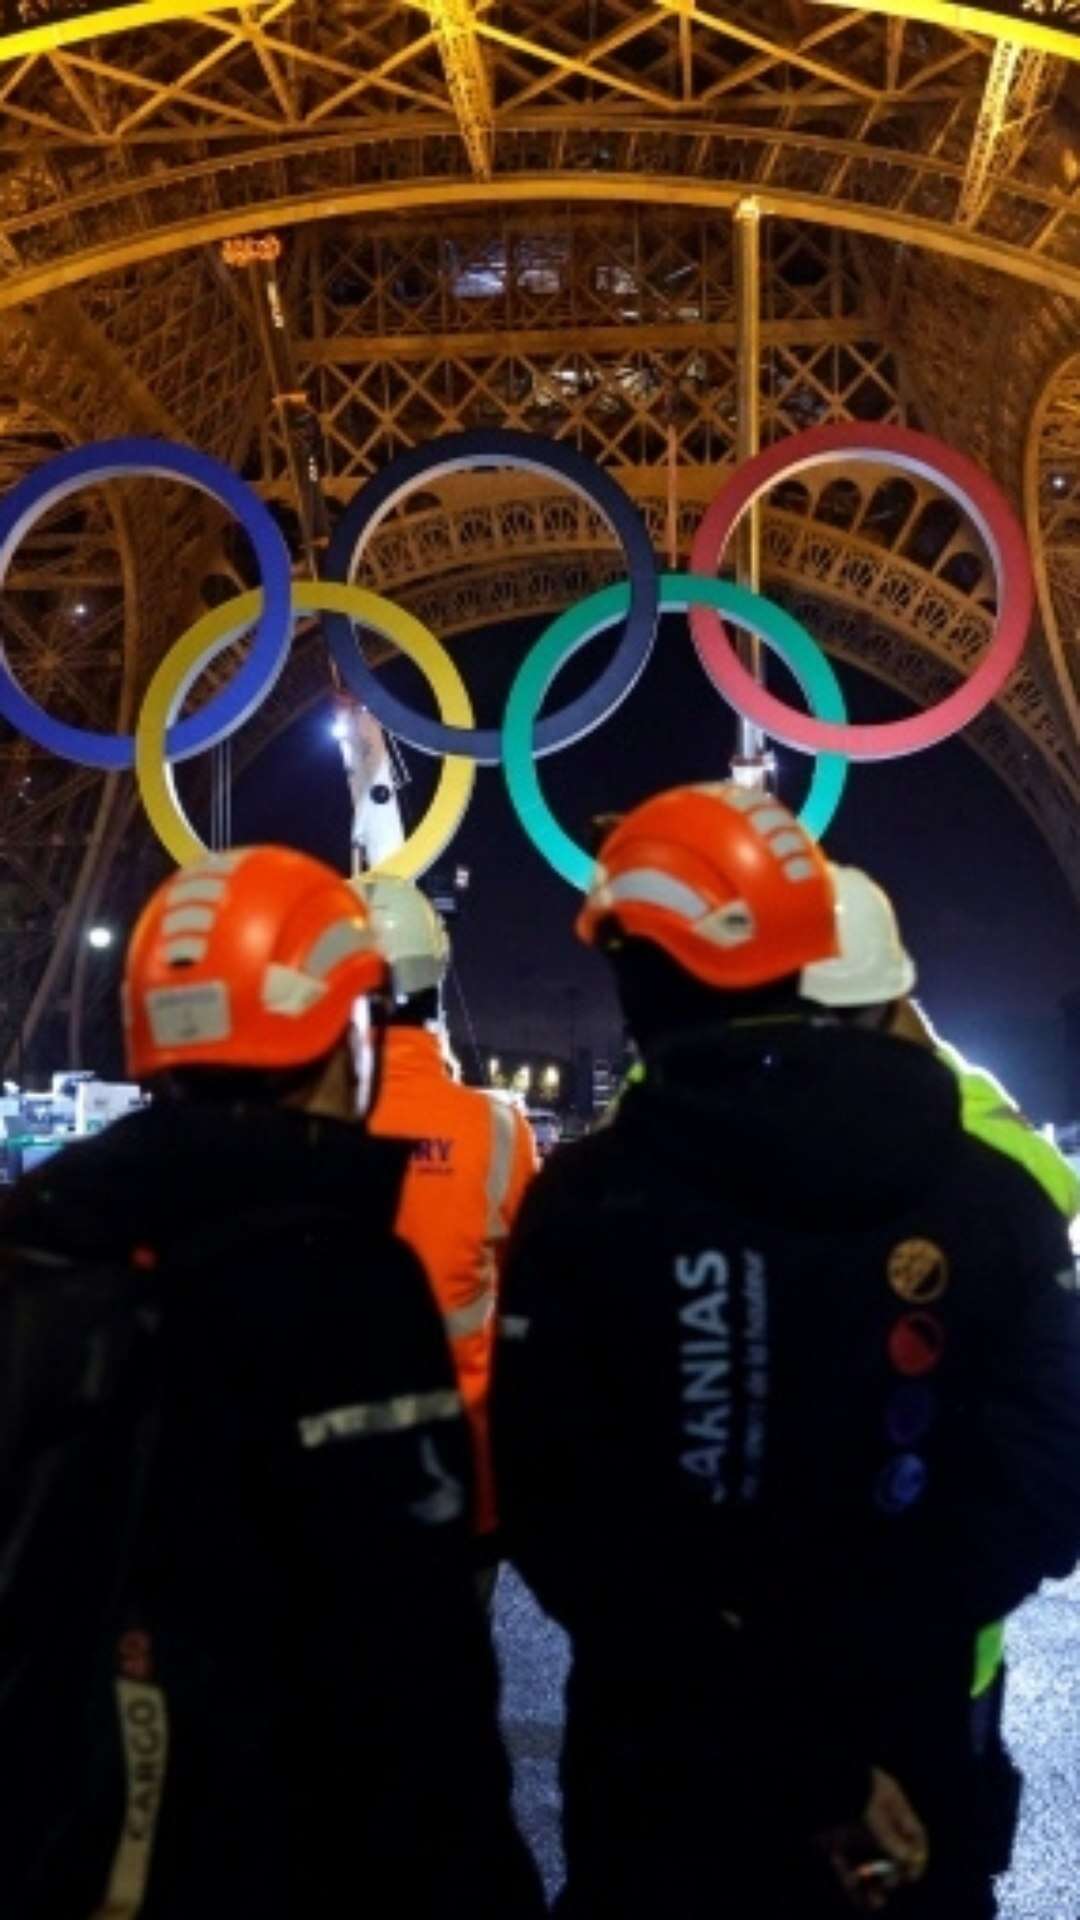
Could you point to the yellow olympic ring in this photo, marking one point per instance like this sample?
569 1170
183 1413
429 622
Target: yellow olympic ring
209 636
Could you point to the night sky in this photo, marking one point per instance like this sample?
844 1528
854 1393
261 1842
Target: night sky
984 908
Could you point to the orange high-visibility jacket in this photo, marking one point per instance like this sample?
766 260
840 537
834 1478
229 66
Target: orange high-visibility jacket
473 1160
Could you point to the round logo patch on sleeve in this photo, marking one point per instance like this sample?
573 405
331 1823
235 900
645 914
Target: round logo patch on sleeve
917 1344
918 1271
901 1483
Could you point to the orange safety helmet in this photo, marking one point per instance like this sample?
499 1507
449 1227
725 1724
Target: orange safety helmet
723 878
252 958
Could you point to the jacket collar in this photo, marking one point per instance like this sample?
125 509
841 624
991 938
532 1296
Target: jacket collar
411 1051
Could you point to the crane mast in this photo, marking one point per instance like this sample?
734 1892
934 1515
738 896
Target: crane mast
377 828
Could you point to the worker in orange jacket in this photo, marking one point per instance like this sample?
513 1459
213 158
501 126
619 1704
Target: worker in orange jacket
472 1162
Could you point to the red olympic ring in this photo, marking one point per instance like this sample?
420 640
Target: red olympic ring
915 453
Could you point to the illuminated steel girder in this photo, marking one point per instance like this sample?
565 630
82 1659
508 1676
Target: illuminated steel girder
1047 26
1016 86
454 23
127 150
1052 489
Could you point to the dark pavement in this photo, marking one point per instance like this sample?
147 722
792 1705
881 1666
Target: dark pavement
1042 1721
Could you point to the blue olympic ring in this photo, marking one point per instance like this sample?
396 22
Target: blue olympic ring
229 708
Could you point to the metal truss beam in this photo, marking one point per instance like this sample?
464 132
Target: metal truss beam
64 325
1052 503
1029 26
353 350
1017 84
455 27
1021 261
127 565
98 23
177 136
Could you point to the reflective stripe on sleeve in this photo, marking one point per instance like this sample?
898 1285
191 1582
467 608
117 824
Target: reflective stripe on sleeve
471 1318
500 1168
514 1326
379 1416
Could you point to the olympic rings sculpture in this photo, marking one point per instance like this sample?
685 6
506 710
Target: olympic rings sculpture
161 740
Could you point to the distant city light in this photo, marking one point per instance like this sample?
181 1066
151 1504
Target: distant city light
551 1078
100 938
80 609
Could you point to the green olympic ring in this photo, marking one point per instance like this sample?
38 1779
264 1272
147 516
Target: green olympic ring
569 631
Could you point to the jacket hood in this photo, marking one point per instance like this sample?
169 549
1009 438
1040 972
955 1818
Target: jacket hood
802 1120
174 1169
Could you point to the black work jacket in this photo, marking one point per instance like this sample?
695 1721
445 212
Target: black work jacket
787 1398
323 1737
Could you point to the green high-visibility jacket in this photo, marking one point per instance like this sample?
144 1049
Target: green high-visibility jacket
992 1116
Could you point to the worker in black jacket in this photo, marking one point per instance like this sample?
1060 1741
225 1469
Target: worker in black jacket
301 1714
787 1407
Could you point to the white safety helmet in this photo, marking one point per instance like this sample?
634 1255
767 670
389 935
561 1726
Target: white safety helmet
872 967
408 932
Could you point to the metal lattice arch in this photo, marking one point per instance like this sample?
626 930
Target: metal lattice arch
494 214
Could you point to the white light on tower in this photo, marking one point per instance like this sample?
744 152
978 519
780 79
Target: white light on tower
100 938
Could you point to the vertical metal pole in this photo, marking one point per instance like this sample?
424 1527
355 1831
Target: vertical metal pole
75 1010
752 763
672 520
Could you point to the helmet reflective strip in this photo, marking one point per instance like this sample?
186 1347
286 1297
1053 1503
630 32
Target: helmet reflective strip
185 953
187 890
653 889
731 925
338 941
213 863
781 833
189 1016
188 920
790 842
771 819
287 991
739 799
